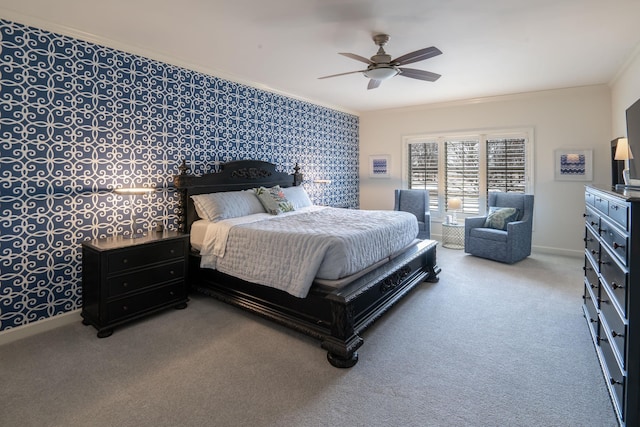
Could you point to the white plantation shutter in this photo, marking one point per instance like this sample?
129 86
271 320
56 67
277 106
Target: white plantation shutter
462 172
469 167
423 175
506 165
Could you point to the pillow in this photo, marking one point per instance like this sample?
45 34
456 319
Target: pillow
228 204
498 218
297 196
273 200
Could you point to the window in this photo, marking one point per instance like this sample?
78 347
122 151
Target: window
467 167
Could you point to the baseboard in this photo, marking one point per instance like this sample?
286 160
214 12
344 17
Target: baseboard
40 326
558 251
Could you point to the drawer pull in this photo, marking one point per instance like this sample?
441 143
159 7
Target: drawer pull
616 246
603 301
593 223
614 285
172 251
614 381
587 268
593 251
172 273
125 284
593 286
171 293
593 320
615 334
586 239
125 308
615 207
599 338
124 261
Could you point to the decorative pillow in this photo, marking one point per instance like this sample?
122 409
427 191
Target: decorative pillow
297 196
273 200
228 204
498 218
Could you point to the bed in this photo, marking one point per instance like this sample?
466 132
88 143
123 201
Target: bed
335 310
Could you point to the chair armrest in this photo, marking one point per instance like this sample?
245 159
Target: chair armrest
474 221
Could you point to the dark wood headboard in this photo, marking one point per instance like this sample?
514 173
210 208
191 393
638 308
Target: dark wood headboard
233 176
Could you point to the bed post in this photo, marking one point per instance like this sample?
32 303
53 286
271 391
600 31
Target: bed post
181 209
341 346
297 176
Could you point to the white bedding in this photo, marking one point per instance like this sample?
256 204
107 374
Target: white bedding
287 251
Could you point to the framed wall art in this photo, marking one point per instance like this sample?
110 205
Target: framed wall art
573 165
380 166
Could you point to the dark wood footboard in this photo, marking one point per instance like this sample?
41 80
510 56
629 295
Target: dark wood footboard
336 318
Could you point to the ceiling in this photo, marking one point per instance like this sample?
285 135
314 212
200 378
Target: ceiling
490 47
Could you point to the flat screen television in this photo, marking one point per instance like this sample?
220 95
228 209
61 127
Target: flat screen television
633 135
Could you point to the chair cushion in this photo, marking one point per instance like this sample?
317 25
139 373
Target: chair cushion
498 217
489 234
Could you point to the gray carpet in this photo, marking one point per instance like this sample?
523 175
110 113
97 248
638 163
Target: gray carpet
489 345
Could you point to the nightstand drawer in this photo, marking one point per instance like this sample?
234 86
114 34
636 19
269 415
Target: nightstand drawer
138 303
118 285
136 257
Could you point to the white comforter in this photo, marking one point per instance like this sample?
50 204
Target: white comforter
289 250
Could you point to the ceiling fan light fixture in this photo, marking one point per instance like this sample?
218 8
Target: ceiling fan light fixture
381 73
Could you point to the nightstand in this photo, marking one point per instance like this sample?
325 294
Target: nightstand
453 236
124 279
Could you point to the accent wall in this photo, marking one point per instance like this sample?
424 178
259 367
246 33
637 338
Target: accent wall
79 120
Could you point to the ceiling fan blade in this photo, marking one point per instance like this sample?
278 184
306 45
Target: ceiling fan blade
357 57
373 83
419 74
418 55
342 74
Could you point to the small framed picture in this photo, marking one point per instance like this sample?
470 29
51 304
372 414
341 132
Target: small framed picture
380 166
573 165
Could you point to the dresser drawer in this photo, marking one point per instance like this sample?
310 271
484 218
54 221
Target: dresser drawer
591 274
614 375
589 199
592 243
592 218
122 284
620 214
613 325
136 304
615 239
615 278
591 313
601 204
141 256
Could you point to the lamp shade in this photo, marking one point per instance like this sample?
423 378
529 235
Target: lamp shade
454 203
623 151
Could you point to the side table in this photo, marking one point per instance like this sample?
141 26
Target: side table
453 236
124 279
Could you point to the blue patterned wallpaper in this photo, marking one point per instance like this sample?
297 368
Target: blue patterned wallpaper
79 120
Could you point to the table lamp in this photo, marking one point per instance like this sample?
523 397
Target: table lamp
453 205
623 152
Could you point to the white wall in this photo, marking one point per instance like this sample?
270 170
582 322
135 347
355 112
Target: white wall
625 91
565 118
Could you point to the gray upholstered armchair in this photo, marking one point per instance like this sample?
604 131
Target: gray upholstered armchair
416 202
503 235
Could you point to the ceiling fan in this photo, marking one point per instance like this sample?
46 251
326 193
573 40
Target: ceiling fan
381 67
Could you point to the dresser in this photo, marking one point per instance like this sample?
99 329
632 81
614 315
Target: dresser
124 279
612 293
